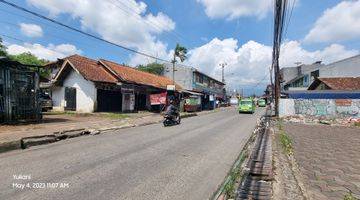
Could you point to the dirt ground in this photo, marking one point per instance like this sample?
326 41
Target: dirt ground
67 121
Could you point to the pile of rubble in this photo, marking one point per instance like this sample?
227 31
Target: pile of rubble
349 121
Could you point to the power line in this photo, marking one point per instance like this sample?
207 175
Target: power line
29 18
261 81
280 8
51 35
157 26
11 37
56 36
80 31
288 22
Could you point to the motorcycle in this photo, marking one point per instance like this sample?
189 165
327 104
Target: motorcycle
170 120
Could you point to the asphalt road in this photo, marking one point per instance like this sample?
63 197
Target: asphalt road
187 161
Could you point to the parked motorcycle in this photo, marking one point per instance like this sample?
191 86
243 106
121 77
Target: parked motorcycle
170 120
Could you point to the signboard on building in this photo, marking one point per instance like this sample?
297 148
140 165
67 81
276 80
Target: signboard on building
170 87
157 99
211 97
127 89
343 102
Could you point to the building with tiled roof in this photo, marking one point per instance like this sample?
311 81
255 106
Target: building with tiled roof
132 75
336 83
86 85
302 76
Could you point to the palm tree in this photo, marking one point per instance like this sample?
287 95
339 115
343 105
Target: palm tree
179 52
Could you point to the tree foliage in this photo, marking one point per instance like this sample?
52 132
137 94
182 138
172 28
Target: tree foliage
30 59
154 68
26 59
2 49
180 52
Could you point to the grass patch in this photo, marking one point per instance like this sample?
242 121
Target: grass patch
115 115
280 124
357 124
285 139
60 113
235 176
229 188
69 113
286 142
73 113
349 196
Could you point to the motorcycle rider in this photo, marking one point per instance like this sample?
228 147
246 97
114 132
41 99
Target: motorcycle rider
172 110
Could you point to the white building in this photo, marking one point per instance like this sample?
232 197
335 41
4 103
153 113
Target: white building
75 84
85 85
301 77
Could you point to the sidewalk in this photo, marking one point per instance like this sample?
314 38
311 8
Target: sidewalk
11 135
326 162
61 122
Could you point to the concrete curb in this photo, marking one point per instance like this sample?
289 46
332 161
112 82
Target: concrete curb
37 140
8 146
240 162
27 142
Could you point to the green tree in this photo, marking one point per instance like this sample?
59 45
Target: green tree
154 68
30 59
180 52
2 48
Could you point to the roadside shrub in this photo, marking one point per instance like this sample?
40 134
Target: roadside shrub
286 142
349 196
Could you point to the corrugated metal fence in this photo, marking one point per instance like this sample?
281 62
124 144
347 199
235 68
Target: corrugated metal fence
19 93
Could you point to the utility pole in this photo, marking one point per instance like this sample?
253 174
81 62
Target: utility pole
271 83
279 19
173 69
222 65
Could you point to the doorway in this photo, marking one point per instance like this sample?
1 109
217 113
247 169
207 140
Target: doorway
109 101
70 98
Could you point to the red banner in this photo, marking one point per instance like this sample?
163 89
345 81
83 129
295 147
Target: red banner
156 99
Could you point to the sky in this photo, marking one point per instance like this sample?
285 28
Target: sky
236 32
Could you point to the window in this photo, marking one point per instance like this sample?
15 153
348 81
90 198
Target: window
315 73
206 81
212 84
199 78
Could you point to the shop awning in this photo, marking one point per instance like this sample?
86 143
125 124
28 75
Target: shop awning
191 92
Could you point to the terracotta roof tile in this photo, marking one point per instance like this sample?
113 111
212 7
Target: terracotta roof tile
112 72
91 69
133 75
343 83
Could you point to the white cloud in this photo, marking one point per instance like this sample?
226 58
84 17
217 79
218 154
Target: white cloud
31 30
248 64
339 23
51 52
124 22
232 9
292 52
